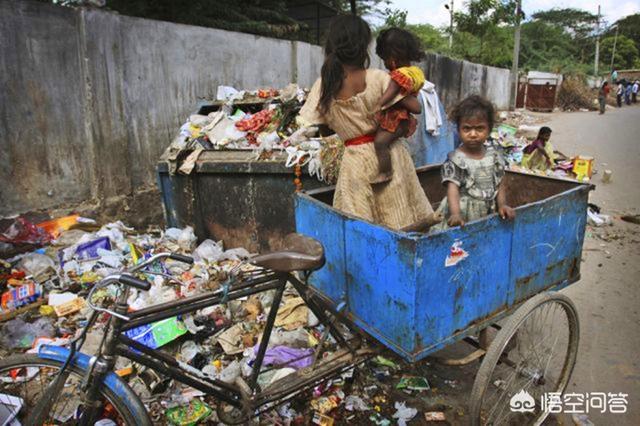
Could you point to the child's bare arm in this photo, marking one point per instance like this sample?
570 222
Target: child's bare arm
411 103
505 211
453 198
389 94
546 155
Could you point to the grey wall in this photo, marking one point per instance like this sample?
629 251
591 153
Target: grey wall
455 79
90 99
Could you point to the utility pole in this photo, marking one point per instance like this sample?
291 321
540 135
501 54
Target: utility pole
450 9
516 55
353 7
595 65
613 54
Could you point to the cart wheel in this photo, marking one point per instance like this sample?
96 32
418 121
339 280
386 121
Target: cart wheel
534 353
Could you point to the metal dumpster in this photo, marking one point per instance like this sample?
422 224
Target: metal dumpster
230 196
417 293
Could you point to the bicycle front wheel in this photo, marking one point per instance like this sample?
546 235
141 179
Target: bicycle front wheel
24 380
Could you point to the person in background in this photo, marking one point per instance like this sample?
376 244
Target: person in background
539 155
473 173
614 76
602 96
627 93
634 91
619 93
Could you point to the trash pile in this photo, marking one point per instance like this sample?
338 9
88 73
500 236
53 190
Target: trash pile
575 95
44 293
264 122
521 118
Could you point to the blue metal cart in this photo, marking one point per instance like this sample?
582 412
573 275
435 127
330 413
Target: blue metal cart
417 293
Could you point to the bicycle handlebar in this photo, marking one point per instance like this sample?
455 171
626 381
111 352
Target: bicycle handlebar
156 257
132 281
125 278
181 258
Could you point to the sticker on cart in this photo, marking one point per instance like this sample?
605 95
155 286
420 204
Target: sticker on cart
456 254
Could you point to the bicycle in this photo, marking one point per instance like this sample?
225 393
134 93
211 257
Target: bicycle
70 373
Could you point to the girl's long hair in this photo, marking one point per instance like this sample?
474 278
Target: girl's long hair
347 43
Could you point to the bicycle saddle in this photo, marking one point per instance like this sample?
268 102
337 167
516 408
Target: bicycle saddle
300 253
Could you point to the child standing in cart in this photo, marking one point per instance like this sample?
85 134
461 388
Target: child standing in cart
397 48
473 173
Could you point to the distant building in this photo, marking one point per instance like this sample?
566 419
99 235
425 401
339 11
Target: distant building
537 91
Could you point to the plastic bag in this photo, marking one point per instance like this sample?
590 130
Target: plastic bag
235 254
298 338
55 226
19 334
185 238
597 219
208 250
231 372
21 231
286 357
404 413
189 350
36 263
90 250
355 403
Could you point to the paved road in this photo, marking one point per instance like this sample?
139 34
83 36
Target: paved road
608 295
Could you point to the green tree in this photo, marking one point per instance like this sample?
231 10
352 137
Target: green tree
626 52
546 47
480 25
628 26
577 23
365 8
262 17
395 18
431 38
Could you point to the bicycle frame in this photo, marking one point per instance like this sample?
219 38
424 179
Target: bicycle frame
116 343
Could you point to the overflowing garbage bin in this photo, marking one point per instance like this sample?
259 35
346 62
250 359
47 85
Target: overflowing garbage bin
232 197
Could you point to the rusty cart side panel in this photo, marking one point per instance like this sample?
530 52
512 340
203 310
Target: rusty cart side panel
547 243
327 226
381 279
453 295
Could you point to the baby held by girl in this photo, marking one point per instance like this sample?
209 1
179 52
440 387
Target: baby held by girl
397 48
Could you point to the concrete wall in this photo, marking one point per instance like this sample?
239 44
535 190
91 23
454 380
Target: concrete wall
90 99
455 79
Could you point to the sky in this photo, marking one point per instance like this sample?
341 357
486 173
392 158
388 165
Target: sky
433 11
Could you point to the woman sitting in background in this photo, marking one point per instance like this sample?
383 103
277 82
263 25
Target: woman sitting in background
538 155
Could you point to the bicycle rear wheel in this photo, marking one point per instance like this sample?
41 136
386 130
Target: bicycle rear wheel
24 379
